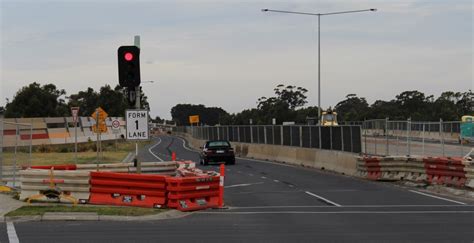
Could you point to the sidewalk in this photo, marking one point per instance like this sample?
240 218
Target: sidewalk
7 204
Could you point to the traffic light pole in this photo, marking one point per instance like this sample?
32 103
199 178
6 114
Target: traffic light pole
137 106
136 42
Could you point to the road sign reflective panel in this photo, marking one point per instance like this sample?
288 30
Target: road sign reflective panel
102 128
116 126
137 124
75 113
194 119
102 114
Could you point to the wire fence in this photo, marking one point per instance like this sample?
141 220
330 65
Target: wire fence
15 150
341 138
386 137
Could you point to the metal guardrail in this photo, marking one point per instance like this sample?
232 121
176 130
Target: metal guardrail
340 138
386 137
17 155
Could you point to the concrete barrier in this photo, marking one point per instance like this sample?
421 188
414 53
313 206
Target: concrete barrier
453 171
338 161
165 168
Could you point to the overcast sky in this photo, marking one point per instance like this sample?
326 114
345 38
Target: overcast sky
229 53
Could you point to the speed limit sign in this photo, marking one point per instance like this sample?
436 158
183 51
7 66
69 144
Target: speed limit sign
137 124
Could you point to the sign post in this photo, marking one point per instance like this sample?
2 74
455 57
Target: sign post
137 128
116 130
75 112
99 116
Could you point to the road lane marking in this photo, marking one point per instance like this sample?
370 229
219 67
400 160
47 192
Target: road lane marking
151 152
185 147
353 206
276 180
441 198
12 236
339 212
263 177
245 184
323 199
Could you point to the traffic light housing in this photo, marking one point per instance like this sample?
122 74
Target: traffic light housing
129 66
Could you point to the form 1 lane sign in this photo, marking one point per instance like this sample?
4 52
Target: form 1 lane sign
137 124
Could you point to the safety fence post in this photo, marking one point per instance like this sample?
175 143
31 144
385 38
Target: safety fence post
408 136
441 135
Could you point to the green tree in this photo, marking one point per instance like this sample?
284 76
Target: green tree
207 115
113 101
35 100
352 108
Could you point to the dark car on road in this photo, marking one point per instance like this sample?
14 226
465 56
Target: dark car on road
217 151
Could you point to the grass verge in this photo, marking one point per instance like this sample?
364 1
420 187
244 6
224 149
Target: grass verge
100 210
111 154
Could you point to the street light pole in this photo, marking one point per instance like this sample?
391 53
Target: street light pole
319 41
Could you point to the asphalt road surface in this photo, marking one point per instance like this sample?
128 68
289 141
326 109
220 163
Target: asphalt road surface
270 202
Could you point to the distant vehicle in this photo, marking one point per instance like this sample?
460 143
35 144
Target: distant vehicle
217 151
329 118
467 130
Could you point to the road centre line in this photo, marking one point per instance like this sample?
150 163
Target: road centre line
12 236
441 198
151 152
322 198
339 212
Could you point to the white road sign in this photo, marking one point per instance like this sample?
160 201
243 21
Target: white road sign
137 124
116 126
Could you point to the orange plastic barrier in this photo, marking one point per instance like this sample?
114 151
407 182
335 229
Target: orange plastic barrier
373 168
139 190
445 170
193 193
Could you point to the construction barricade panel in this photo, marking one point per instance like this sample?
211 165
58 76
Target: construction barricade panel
108 188
193 193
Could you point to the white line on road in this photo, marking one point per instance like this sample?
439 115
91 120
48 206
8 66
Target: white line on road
151 152
353 206
322 198
12 236
340 212
185 147
263 177
441 198
276 180
241 185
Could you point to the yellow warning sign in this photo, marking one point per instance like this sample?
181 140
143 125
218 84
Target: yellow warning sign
101 128
194 119
102 114
99 116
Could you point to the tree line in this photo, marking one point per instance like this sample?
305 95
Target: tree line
35 100
288 105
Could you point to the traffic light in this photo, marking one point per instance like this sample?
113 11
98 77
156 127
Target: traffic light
129 66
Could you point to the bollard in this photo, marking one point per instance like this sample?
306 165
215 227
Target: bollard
221 186
173 156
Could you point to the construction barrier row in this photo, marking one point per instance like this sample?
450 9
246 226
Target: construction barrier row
453 171
109 188
186 189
